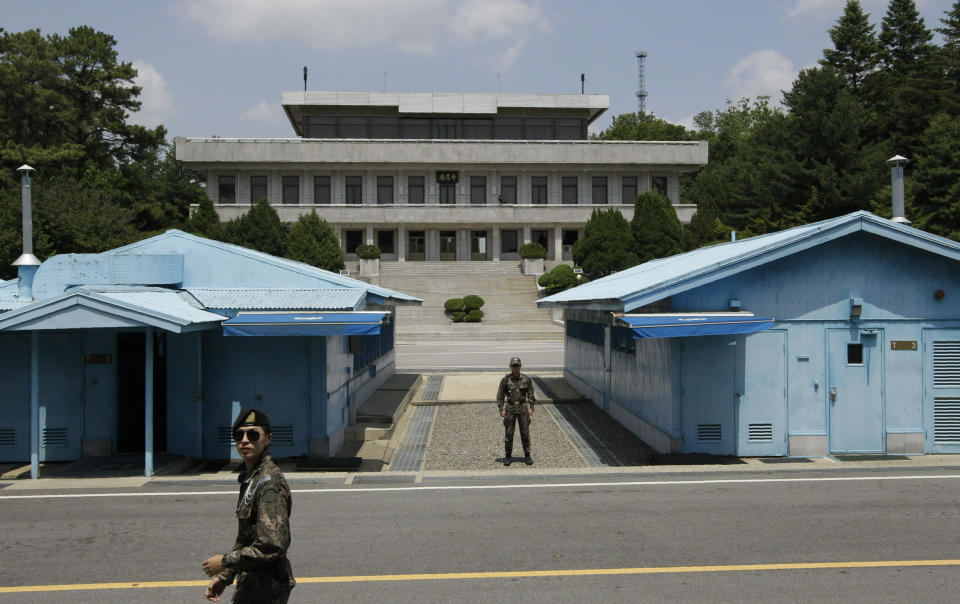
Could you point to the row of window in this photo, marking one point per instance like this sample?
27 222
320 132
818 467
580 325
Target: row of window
416 189
394 127
479 241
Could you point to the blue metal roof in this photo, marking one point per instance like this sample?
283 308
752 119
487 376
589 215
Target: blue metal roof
339 298
363 323
655 280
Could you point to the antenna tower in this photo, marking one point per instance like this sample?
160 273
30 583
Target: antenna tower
641 82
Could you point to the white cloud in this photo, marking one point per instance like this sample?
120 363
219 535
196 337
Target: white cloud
264 112
410 26
764 72
156 102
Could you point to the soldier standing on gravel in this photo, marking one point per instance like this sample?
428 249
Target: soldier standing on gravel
258 560
515 401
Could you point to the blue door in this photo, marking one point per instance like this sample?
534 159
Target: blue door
855 390
762 408
707 395
61 396
15 406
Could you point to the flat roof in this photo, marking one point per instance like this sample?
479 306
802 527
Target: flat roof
441 103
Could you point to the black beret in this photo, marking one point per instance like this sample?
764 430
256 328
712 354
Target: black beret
253 417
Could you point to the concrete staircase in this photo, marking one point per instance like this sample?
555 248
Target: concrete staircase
510 312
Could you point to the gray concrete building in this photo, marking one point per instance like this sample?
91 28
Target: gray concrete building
436 176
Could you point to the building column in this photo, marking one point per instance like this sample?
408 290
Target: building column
401 243
148 404
558 242
526 234
368 234
495 244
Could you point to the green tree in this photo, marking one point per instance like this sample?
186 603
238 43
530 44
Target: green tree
205 221
643 127
855 51
313 241
656 229
935 190
606 246
950 53
259 229
705 227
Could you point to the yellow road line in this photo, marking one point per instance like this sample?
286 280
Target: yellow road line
577 572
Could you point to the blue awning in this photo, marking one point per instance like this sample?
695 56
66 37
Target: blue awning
680 325
359 323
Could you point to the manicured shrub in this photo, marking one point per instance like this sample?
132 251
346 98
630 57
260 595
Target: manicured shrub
472 302
474 316
458 316
533 250
453 305
559 279
368 252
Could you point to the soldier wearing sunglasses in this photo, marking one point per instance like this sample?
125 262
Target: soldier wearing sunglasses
258 561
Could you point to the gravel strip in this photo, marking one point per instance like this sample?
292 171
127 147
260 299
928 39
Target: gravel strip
623 444
470 437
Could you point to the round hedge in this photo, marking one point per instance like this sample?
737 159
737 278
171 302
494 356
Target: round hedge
474 316
560 278
458 316
533 250
472 302
368 252
453 304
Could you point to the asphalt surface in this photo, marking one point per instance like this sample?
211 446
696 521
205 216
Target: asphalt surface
567 529
471 356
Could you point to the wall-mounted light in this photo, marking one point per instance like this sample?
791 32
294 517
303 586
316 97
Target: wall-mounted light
939 295
735 304
856 308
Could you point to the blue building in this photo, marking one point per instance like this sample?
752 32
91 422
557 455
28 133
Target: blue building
147 348
841 336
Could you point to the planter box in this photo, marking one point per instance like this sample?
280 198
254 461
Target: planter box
369 268
533 266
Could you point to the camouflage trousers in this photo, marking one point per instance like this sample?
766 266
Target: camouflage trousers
520 416
264 586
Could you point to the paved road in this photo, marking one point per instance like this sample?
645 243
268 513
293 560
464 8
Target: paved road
443 531
479 356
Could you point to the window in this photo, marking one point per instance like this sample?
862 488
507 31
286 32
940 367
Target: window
854 354
659 184
508 242
570 129
352 127
446 129
385 241
415 190
352 240
448 193
478 190
628 193
321 189
508 189
322 127
384 189
508 128
568 193
415 128
258 188
599 189
478 129
539 128
540 236
291 189
569 237
354 189
416 243
385 127
448 245
538 189
227 190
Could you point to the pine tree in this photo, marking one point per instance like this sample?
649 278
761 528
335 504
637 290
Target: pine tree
205 221
260 229
950 52
606 246
656 229
313 241
705 227
935 189
855 51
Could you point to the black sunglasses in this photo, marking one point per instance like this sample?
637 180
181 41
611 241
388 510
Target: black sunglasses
252 435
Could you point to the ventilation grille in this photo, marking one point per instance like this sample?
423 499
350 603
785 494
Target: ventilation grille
760 432
708 432
946 363
282 436
946 420
55 437
8 437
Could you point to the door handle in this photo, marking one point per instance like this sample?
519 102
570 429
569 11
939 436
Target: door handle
833 394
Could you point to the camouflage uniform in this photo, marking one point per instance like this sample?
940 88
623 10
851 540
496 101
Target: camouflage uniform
515 396
258 561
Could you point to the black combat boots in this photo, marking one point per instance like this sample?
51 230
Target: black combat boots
508 458
527 460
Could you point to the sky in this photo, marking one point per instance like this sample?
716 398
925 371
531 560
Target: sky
217 67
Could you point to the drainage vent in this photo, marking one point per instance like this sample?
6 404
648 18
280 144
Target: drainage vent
8 437
55 437
708 432
282 436
946 420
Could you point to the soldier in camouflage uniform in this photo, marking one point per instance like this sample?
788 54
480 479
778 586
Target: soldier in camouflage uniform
515 401
258 561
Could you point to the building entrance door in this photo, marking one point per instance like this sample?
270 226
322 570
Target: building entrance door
568 238
416 246
385 241
448 245
855 390
543 238
478 245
